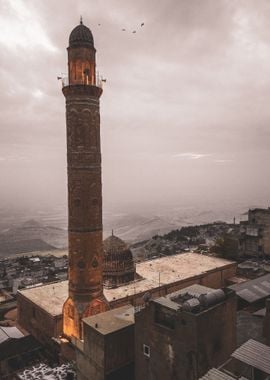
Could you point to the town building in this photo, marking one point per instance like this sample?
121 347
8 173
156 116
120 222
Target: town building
192 329
182 335
107 349
255 233
40 311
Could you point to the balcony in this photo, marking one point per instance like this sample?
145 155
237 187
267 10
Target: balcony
99 80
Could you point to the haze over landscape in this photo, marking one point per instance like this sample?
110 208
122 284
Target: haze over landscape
184 113
134 189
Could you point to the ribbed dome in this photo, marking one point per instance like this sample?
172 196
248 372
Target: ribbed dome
114 244
119 267
81 36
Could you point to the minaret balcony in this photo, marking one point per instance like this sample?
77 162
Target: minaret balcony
98 82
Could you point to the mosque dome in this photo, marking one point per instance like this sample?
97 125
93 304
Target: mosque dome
81 36
119 267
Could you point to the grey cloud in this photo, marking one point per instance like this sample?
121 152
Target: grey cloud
194 80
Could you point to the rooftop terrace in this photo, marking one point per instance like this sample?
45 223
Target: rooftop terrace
112 320
154 273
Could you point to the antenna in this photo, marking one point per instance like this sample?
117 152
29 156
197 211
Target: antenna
134 300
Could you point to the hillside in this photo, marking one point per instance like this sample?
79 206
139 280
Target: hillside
31 236
187 238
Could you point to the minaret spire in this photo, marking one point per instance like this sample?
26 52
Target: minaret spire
81 20
85 230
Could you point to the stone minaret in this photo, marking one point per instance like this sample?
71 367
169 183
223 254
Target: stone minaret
82 93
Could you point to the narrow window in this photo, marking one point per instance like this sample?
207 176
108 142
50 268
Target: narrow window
70 312
146 350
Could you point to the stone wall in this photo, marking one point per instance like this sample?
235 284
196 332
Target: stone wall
38 322
105 357
183 346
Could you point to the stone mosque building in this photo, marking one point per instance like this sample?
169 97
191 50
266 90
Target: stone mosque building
99 278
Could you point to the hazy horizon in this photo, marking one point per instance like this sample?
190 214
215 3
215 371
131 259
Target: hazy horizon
184 113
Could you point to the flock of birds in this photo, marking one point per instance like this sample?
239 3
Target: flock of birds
125 30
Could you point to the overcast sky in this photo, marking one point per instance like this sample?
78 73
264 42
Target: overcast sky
185 113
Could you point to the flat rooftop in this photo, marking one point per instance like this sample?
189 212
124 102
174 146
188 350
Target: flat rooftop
167 270
49 297
112 320
154 273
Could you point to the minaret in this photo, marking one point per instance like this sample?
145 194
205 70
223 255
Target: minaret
82 93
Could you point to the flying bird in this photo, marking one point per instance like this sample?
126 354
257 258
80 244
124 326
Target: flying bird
99 24
134 31
142 24
123 30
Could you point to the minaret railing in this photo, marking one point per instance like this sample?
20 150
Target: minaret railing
99 80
